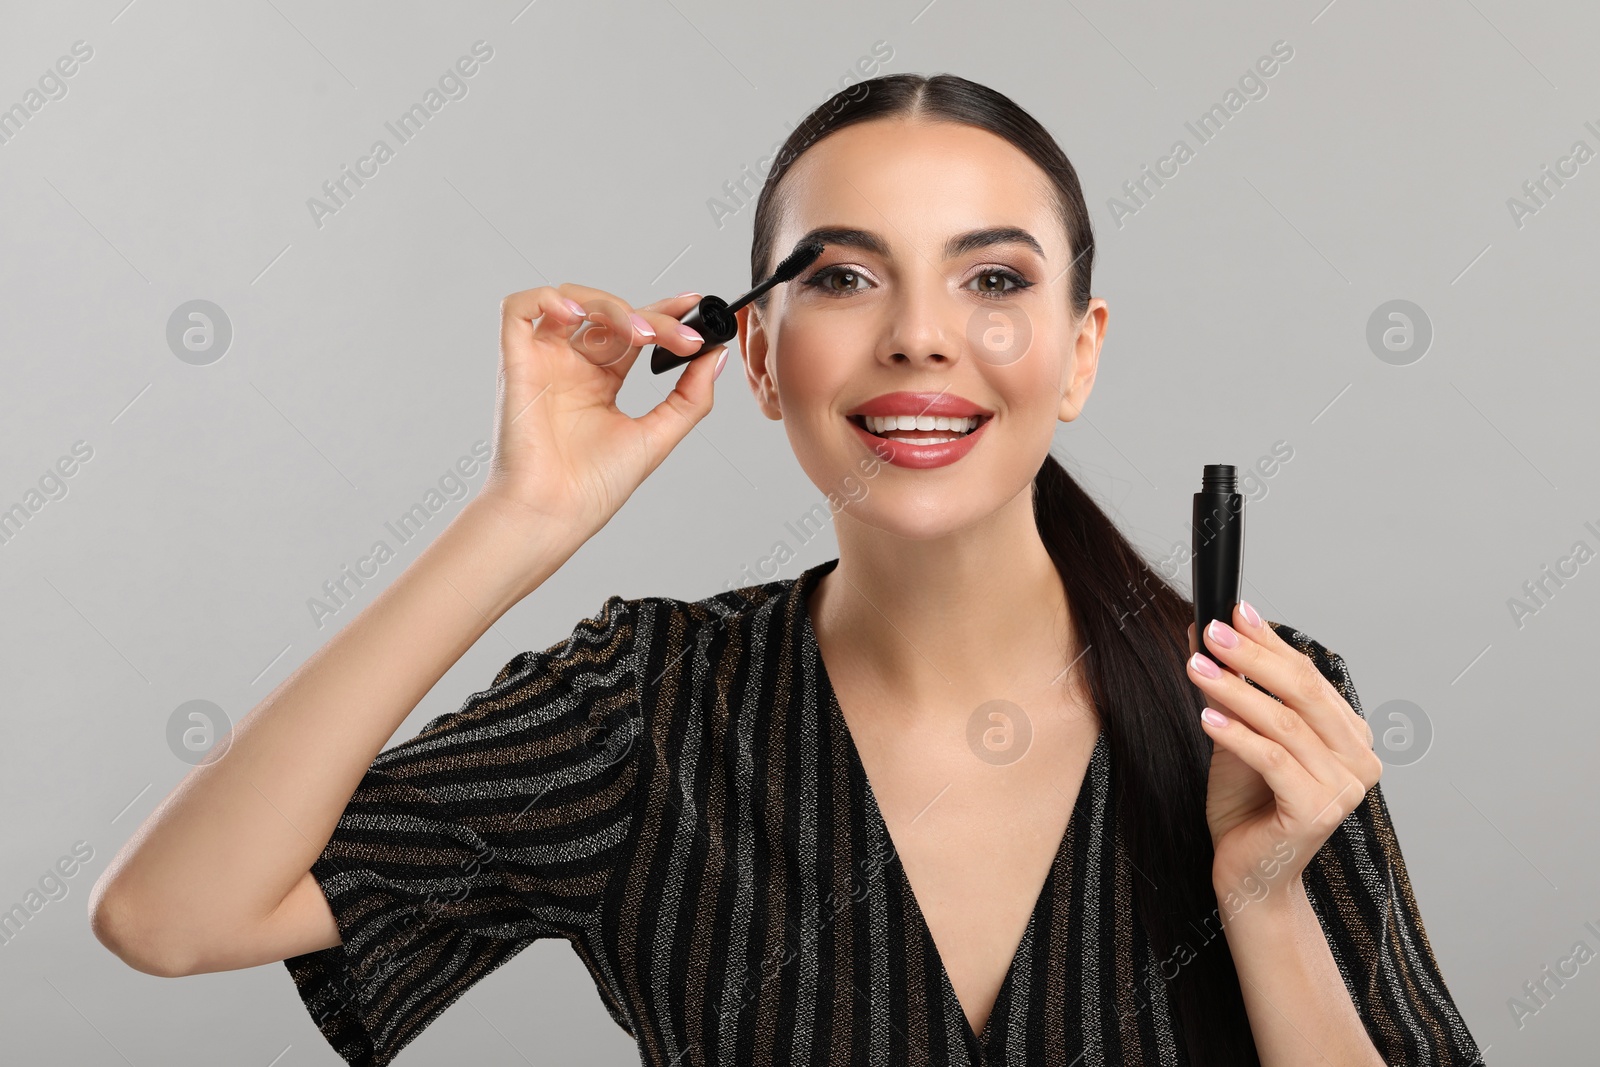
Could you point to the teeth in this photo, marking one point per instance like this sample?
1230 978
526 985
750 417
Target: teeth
881 424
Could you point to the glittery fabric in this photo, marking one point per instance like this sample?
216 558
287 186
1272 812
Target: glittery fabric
673 790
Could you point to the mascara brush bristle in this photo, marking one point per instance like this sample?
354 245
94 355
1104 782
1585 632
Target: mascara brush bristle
797 261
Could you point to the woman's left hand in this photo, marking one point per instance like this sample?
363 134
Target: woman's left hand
1283 775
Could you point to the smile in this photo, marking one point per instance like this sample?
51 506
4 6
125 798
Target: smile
919 442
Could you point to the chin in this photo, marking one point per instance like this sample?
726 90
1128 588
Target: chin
913 504
921 516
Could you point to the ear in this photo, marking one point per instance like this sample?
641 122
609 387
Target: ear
753 343
1079 374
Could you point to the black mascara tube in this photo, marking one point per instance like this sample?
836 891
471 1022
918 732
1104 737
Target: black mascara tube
712 318
1218 547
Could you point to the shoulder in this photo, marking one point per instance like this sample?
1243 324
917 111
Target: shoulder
675 621
607 650
607 636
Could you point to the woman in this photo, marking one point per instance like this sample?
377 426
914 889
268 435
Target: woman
732 807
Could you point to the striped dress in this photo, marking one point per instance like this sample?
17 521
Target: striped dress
674 791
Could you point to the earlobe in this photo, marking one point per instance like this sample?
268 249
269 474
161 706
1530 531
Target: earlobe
768 390
1077 391
1076 396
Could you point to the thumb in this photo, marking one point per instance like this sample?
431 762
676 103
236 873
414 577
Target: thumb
670 421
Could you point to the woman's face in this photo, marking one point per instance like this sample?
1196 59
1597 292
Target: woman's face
982 325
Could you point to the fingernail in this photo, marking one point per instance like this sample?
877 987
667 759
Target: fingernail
1203 665
1214 717
720 361
1222 634
1249 613
680 296
641 325
577 308
690 335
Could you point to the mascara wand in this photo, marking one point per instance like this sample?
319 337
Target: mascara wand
713 317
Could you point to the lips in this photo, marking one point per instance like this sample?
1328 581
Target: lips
902 453
904 403
912 453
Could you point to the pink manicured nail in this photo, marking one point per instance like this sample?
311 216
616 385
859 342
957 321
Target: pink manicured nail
1249 613
1203 665
723 358
641 325
1224 635
689 334
1214 717
680 296
577 308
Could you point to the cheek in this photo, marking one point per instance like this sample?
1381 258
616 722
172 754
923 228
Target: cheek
1038 392
812 372
828 457
1030 389
817 436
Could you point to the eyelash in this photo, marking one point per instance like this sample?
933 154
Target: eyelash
1018 282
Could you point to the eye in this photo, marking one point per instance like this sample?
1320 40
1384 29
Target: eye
1018 282
823 278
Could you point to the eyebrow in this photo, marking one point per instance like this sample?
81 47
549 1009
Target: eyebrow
958 245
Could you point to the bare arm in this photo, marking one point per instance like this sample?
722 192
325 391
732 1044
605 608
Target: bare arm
1298 1006
199 886
218 877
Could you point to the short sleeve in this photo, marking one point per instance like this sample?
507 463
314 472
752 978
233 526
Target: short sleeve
1359 889
495 826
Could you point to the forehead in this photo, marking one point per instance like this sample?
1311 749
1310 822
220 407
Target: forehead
917 182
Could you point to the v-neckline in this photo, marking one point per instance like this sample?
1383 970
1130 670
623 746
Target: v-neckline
838 724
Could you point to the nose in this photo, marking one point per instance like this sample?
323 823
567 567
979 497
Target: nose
923 328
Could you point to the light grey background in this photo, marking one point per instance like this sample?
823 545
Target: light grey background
178 565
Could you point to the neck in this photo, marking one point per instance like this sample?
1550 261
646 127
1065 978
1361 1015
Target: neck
946 623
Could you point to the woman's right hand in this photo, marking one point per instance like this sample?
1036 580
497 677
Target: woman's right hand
565 455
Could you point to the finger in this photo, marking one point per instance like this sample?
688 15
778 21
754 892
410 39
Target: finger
591 299
611 335
1301 797
1261 655
676 306
664 317
1295 787
1263 632
670 421
1278 721
1359 756
614 333
670 333
524 315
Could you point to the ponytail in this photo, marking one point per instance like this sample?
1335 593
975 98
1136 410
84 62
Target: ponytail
1134 626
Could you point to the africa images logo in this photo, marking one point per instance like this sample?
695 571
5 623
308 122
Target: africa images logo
452 85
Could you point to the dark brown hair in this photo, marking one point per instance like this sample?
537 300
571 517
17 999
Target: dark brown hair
1132 620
